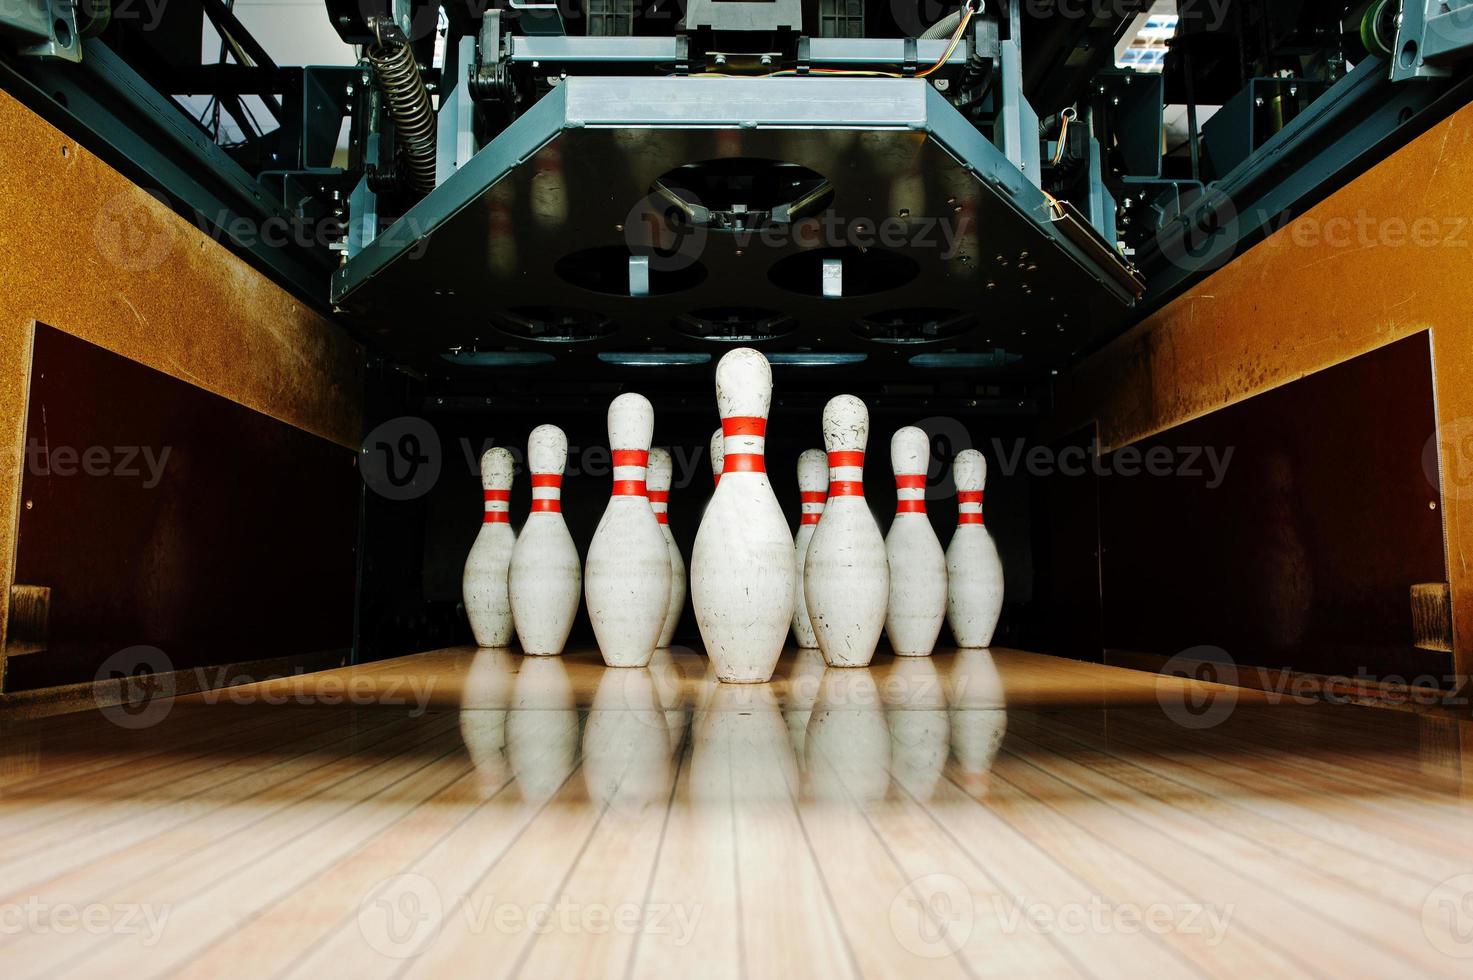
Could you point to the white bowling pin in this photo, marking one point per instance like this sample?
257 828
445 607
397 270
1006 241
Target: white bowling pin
813 483
846 577
545 579
483 584
742 574
917 563
662 469
973 568
718 455
627 580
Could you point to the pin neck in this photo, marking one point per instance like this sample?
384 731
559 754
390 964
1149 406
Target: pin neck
813 501
660 503
497 507
910 494
629 472
547 491
846 473
969 507
744 440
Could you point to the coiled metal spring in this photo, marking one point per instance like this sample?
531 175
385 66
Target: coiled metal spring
408 102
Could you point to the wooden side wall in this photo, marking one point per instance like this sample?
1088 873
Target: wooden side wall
1387 256
88 252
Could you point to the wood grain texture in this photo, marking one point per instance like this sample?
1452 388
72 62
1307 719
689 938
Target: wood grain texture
973 814
1385 257
90 253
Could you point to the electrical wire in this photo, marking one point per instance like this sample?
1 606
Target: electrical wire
1069 116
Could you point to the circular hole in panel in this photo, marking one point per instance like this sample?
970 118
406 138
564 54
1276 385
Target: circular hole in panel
554 324
914 325
843 272
735 324
605 269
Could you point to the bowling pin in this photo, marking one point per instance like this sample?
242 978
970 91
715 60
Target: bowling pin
718 455
917 563
483 584
813 483
545 579
661 473
742 570
846 577
627 580
973 568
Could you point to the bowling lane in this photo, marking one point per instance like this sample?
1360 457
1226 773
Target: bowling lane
972 814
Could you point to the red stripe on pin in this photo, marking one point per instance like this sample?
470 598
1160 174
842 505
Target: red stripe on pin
497 495
744 425
745 463
662 518
846 488
969 496
969 519
659 496
547 479
848 457
910 482
631 457
551 506
629 488
910 506
496 517
811 518
813 496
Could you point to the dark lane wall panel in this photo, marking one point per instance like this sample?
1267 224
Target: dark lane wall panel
163 515
1304 556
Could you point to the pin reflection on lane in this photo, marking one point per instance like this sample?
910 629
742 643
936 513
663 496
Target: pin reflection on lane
979 718
847 751
740 751
627 760
920 728
542 727
483 707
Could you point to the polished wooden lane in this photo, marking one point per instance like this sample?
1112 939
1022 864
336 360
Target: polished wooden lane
972 814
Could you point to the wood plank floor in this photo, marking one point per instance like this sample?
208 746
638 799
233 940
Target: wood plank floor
972 814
